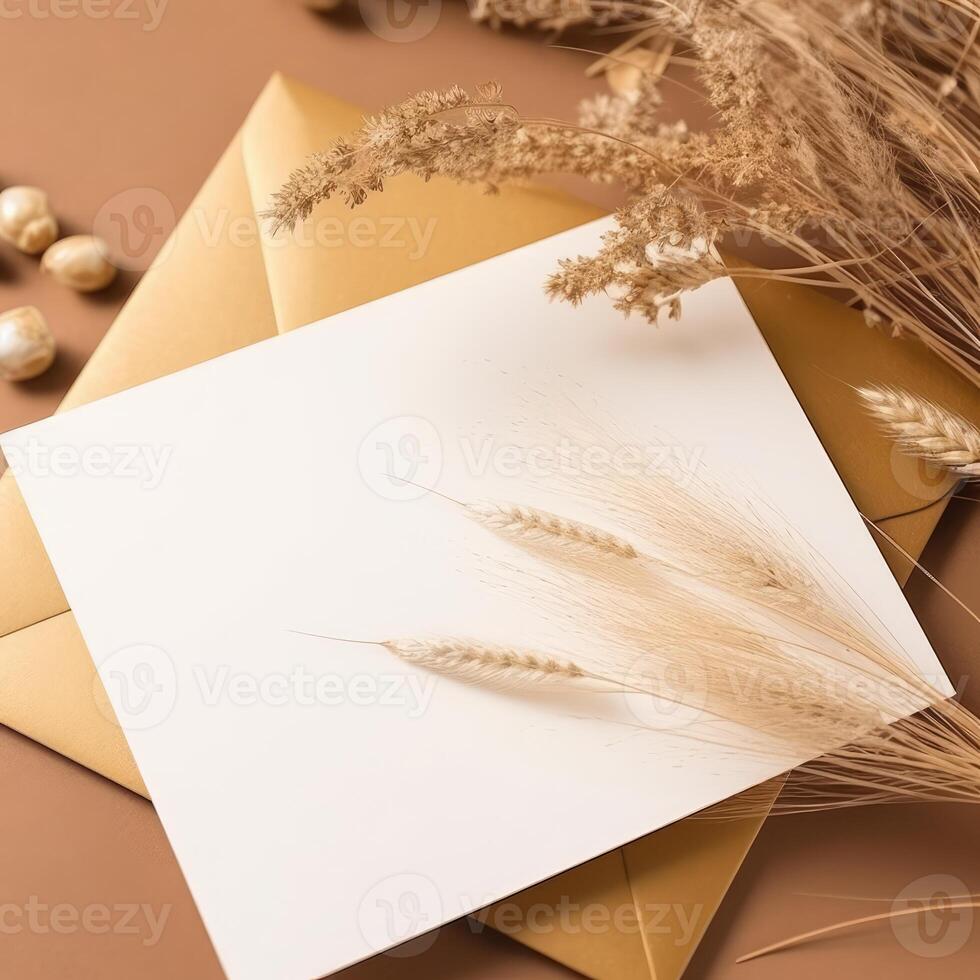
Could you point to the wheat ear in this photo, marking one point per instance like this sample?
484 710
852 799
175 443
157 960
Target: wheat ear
482 664
539 526
923 428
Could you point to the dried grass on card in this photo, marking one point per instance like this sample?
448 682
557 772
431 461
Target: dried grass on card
715 604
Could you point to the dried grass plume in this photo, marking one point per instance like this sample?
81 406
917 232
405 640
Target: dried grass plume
845 132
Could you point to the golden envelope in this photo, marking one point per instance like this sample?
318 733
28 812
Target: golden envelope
216 287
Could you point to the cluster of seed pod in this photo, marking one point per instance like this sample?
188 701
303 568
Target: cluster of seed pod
27 346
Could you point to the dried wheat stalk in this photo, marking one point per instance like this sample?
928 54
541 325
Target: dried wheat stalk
846 132
533 526
480 663
764 635
804 673
923 428
767 645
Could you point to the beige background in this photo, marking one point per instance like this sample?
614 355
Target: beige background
99 107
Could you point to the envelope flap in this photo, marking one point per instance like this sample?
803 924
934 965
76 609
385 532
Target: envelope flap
414 231
202 297
49 690
586 918
678 880
27 581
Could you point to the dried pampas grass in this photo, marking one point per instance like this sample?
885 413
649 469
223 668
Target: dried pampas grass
922 428
847 133
690 595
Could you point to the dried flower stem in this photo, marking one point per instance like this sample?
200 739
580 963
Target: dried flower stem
924 905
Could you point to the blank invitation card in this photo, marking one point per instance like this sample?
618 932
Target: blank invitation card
325 798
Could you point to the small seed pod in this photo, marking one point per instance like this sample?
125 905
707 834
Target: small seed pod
27 346
26 220
79 262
